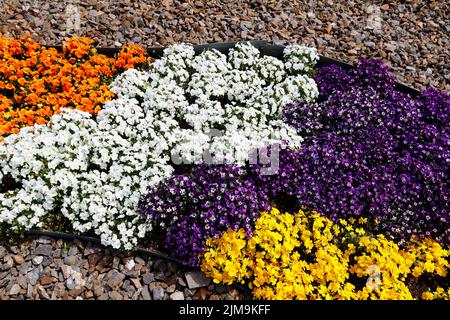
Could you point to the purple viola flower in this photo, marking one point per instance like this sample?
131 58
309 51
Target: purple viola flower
370 150
190 209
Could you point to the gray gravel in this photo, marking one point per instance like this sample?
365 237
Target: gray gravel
413 36
43 269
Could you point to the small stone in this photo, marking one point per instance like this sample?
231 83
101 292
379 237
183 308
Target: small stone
60 290
116 262
196 279
187 293
76 292
148 278
177 296
42 293
126 284
93 259
103 297
73 250
59 244
114 295
9 263
24 268
181 282
104 264
37 260
91 250
158 293
139 260
136 283
99 291
45 280
43 250
78 279
70 284
22 281
15 289
214 297
33 276
29 291
66 270
3 252
146 294
47 261
89 295
71 260
114 279
18 259
56 253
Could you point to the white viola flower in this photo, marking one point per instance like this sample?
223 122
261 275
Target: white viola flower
210 61
243 84
244 56
131 83
300 59
270 69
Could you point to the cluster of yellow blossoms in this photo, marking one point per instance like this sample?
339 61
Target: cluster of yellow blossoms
36 81
307 256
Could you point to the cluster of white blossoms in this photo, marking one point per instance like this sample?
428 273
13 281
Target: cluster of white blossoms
185 108
300 59
93 172
230 104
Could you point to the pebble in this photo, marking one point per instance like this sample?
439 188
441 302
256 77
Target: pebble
42 293
177 296
44 250
148 278
33 276
71 260
158 293
114 295
18 259
15 289
146 294
37 260
196 279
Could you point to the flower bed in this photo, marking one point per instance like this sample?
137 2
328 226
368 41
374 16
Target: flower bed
193 150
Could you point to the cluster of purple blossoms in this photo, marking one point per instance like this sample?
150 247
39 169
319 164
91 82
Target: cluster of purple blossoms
370 150
211 199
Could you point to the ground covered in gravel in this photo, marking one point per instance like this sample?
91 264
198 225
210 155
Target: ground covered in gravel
43 268
412 36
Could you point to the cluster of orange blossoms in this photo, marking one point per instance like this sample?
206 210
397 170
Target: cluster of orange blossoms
36 81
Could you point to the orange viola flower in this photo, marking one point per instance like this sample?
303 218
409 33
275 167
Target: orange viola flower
42 80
